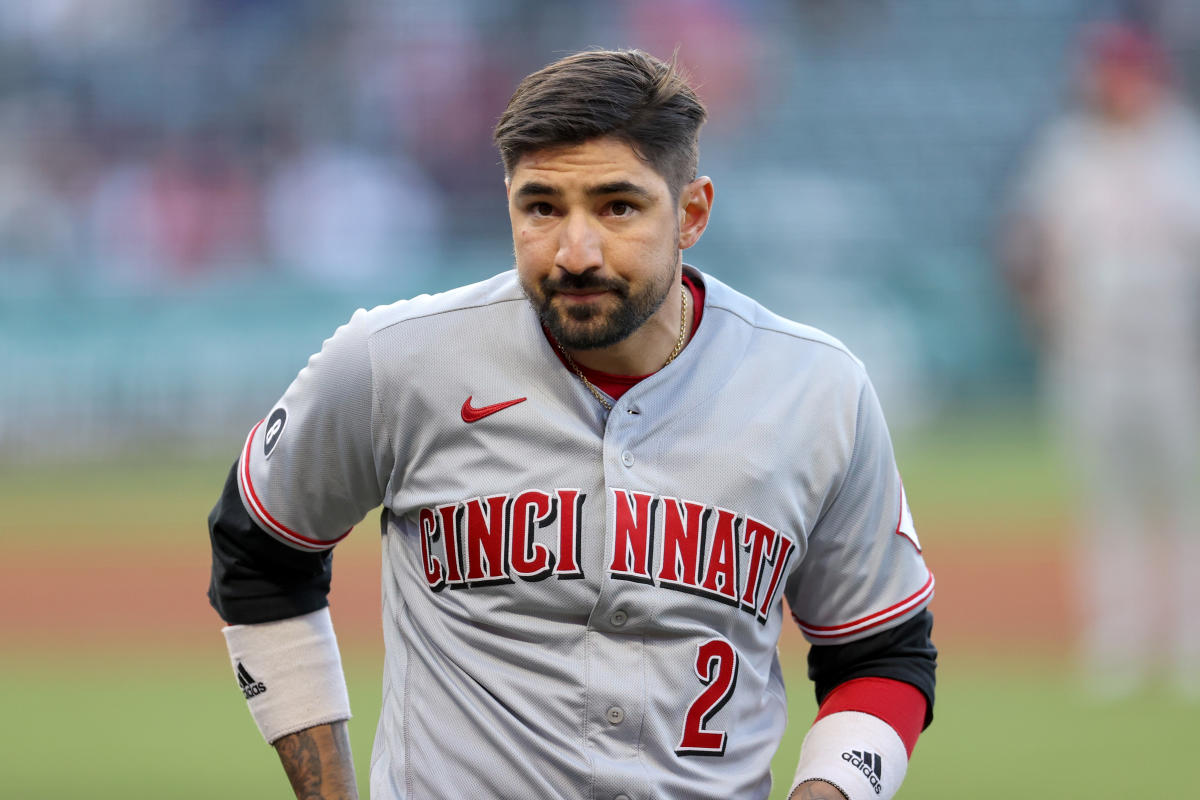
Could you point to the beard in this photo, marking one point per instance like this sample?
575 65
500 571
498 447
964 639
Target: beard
593 326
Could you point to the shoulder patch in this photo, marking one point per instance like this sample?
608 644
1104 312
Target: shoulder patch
274 429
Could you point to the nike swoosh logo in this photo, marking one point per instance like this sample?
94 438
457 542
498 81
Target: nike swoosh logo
472 414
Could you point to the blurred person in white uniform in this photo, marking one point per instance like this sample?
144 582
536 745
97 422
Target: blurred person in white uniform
1104 252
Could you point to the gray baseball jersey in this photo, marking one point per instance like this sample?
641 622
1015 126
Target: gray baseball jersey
581 603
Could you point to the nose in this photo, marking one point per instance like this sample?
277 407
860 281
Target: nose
579 245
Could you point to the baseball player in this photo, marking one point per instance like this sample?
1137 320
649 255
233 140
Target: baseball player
1103 247
601 473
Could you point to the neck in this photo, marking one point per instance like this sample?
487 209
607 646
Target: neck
645 350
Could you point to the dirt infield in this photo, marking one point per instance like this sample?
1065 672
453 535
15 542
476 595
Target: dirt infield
988 596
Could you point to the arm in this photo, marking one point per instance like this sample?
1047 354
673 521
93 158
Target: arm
904 653
817 790
1025 258
318 762
1025 244
859 597
306 475
257 581
876 695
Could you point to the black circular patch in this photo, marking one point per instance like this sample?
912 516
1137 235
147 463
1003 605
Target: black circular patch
274 430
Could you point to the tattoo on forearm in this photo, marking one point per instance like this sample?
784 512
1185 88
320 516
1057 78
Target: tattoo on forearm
318 763
301 759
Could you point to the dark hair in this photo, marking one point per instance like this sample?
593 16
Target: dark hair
627 94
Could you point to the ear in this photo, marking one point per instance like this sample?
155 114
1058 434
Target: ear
507 186
695 206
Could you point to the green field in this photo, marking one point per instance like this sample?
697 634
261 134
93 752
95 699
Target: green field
147 720
965 469
167 727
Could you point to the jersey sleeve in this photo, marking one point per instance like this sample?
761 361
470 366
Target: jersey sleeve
310 470
862 571
255 577
904 653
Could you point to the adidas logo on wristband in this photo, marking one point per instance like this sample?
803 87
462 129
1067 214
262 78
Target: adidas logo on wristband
869 764
250 687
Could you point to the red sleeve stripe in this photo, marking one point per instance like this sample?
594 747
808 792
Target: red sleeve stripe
865 623
254 504
901 705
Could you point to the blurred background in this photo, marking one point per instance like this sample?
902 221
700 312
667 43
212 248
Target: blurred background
195 193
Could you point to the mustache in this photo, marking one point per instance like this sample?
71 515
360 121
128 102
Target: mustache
585 282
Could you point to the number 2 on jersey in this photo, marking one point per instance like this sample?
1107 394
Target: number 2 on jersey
717 668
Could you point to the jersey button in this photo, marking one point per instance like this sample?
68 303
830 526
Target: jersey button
616 715
619 618
627 458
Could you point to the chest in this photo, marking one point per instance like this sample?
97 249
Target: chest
682 509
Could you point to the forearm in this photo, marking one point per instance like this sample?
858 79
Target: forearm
817 790
318 762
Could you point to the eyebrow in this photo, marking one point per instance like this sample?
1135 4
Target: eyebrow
620 187
535 189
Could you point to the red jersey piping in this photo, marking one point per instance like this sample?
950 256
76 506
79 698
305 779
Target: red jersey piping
256 507
871 620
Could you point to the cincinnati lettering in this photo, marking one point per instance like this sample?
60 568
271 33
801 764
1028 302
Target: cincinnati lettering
667 542
700 550
489 540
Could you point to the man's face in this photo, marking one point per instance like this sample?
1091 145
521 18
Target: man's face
596 234
1124 92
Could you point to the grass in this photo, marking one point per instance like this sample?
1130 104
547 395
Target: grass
1016 729
138 497
141 725
985 475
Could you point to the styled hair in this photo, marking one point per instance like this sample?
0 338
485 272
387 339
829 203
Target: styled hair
626 94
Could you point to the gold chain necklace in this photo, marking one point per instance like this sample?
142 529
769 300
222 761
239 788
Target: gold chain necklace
683 293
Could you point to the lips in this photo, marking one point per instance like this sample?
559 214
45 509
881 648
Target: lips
583 286
583 297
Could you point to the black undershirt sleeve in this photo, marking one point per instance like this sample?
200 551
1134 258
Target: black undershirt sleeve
903 653
255 577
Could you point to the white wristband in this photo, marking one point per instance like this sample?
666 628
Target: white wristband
290 673
858 753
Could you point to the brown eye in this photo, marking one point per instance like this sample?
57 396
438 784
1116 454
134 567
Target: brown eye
619 209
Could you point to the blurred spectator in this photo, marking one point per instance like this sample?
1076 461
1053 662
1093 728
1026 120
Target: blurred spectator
44 170
189 210
720 53
1104 251
339 215
202 207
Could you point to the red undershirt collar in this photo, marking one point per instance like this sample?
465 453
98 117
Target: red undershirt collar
616 385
